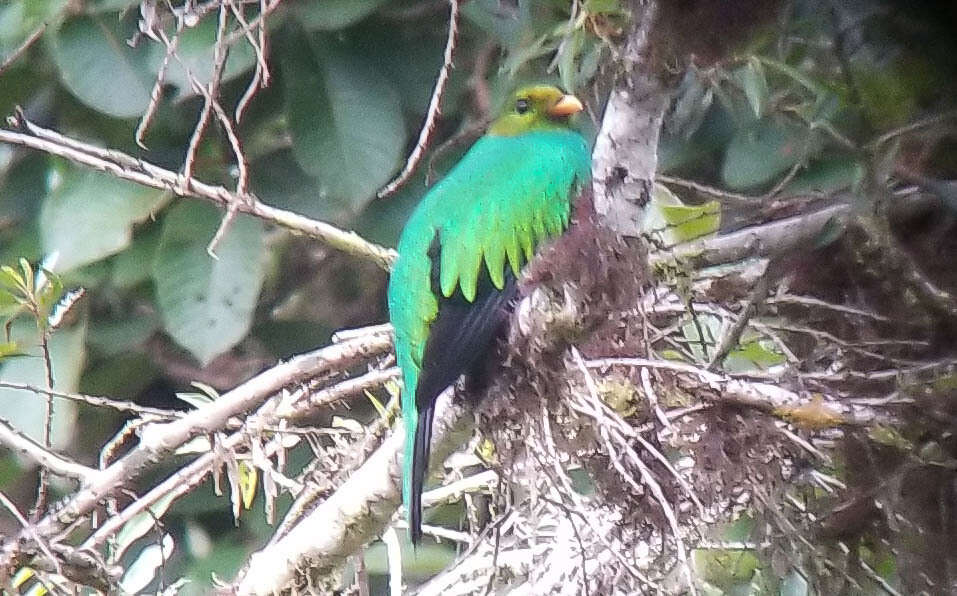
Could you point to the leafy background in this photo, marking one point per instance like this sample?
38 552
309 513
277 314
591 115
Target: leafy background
772 107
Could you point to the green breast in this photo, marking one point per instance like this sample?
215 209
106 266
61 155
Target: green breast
497 206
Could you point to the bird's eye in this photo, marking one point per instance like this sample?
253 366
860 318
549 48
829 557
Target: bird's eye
521 106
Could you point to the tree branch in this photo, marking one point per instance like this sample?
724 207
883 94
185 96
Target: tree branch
45 458
142 172
159 440
626 151
435 107
357 512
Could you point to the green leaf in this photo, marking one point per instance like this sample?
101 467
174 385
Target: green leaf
100 69
19 19
725 568
278 180
139 525
89 215
113 338
827 175
794 584
346 130
24 409
22 186
127 266
328 15
670 221
687 222
141 572
248 482
796 75
207 304
9 349
755 84
753 355
760 152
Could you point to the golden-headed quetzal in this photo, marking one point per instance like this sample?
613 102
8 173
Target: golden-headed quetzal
463 249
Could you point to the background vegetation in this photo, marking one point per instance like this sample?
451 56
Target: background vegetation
774 110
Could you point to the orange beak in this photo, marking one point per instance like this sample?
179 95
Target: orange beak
566 106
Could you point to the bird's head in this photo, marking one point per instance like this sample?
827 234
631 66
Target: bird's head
537 107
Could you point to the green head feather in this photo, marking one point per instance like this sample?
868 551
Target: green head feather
536 107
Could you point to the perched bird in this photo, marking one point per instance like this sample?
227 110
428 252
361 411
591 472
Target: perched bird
463 249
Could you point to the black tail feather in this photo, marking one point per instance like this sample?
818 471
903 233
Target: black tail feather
420 468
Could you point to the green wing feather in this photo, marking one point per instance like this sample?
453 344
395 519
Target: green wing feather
507 196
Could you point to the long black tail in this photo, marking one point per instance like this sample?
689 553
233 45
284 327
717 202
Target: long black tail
420 468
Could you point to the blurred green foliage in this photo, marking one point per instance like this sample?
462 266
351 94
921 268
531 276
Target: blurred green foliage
351 80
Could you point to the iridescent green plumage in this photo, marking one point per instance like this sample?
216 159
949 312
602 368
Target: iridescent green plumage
464 246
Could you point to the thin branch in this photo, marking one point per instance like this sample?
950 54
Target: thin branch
141 172
711 191
730 339
647 477
261 74
41 501
41 543
105 402
778 235
766 397
893 256
156 95
23 47
356 512
158 441
44 457
912 127
307 404
435 107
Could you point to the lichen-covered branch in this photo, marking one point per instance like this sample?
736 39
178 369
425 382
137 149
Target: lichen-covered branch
159 440
356 513
626 151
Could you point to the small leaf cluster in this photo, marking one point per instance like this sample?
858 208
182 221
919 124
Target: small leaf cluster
810 92
26 291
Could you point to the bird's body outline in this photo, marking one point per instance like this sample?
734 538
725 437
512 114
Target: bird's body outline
462 250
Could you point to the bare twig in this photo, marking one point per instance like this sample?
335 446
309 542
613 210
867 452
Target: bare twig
47 418
105 402
346 389
766 397
261 75
43 456
23 47
41 543
730 339
718 193
435 107
141 172
157 441
647 477
356 512
912 127
156 94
